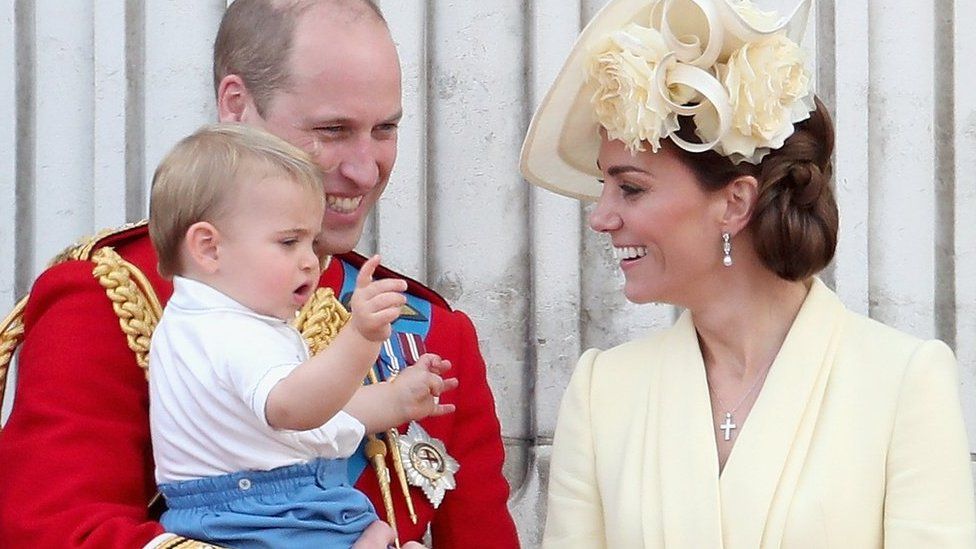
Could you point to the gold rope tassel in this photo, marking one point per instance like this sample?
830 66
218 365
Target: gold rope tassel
393 439
376 453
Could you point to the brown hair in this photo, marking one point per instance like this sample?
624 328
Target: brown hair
795 218
194 180
255 40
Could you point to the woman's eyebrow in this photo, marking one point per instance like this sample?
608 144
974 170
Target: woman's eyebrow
618 170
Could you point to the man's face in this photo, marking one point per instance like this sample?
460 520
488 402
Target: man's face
343 108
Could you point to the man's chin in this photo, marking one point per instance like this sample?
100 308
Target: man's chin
338 241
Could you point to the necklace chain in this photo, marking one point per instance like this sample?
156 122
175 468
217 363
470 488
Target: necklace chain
755 384
729 424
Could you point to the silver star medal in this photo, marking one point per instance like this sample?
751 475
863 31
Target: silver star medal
427 464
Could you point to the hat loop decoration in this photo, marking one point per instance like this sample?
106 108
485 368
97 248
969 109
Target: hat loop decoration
691 52
642 65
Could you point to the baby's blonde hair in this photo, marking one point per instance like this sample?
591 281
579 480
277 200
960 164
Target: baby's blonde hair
194 181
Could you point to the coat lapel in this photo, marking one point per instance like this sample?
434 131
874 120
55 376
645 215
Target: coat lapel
761 473
689 488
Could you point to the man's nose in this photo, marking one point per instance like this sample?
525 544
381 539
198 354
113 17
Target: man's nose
359 164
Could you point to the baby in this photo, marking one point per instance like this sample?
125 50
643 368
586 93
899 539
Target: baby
249 435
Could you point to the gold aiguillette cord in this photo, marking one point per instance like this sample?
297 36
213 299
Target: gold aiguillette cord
393 439
376 451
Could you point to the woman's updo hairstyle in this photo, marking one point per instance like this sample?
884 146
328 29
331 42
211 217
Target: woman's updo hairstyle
794 223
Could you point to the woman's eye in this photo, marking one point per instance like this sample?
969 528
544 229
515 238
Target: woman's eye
630 190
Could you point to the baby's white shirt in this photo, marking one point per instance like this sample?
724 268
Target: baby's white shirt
212 364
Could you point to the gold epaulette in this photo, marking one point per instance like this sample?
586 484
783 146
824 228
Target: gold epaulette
12 327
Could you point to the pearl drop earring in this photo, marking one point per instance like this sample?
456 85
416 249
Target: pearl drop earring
726 249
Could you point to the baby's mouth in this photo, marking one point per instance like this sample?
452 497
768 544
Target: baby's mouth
302 293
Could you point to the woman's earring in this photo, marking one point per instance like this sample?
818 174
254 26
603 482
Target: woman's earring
726 249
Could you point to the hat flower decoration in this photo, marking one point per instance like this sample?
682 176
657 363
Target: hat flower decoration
641 65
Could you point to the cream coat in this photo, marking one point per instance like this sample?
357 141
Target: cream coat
856 441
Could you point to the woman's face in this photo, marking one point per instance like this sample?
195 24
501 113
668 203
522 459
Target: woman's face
665 228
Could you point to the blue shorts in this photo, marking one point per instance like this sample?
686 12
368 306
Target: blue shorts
304 505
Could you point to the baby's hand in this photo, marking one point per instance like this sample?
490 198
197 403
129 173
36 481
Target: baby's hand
419 387
376 303
378 535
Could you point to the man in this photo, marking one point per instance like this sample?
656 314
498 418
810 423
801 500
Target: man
75 461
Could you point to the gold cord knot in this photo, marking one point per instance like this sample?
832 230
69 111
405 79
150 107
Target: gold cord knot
133 300
320 320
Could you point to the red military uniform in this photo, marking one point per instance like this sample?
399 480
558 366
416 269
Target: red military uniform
75 459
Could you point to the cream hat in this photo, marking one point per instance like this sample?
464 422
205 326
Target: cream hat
639 65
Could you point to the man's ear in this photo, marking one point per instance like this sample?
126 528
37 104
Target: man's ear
203 247
740 197
234 100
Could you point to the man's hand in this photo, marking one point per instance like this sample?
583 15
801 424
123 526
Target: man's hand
376 303
419 387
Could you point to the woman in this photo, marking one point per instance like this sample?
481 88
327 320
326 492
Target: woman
769 415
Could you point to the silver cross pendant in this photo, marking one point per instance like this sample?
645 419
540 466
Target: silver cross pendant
728 425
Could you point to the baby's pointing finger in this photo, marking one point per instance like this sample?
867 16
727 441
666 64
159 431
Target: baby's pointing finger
365 275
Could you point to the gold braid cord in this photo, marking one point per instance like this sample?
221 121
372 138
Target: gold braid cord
12 327
11 333
133 300
320 320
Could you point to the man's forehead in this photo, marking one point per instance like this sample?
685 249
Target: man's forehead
338 13
322 30
324 50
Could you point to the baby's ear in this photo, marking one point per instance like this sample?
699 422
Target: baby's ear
201 245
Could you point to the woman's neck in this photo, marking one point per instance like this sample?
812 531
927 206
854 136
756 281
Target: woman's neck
742 327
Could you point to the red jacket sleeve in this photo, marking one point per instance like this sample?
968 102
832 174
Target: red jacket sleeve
75 454
475 514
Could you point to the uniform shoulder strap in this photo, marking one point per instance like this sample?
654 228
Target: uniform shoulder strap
133 298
